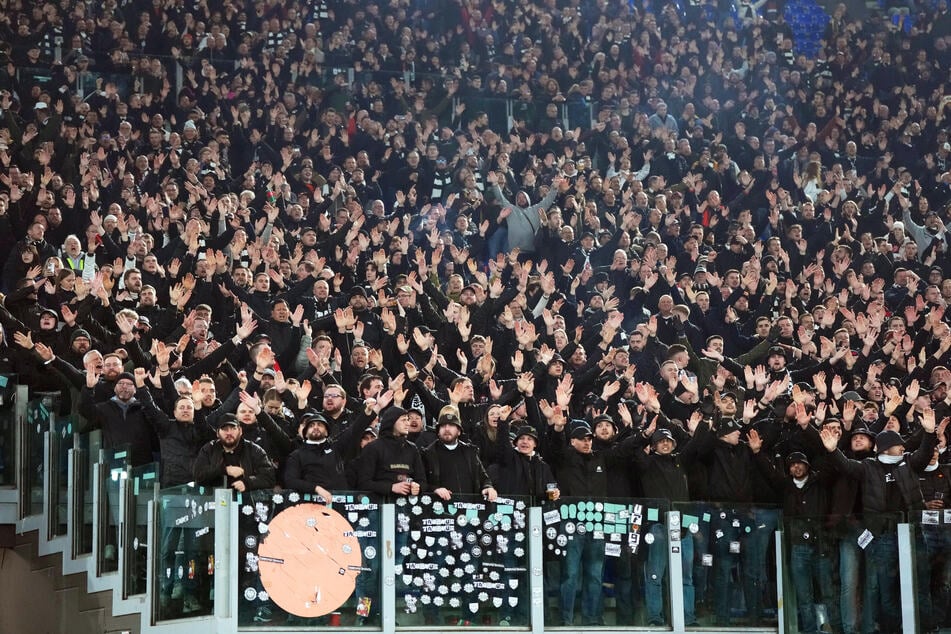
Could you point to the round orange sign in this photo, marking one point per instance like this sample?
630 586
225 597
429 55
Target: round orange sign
309 560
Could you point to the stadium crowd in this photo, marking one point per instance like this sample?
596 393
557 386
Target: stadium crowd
642 250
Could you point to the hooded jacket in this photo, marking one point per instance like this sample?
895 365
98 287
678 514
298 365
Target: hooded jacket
390 459
524 222
874 476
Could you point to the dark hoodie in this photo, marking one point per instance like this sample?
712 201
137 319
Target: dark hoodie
390 459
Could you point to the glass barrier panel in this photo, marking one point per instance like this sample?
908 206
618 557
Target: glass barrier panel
597 553
306 564
932 548
61 443
87 445
185 557
834 573
8 422
734 564
37 423
115 466
462 561
141 490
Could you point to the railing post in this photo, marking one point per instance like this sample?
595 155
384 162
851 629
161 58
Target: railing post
536 567
125 495
388 592
786 620
22 450
73 519
675 569
906 577
226 557
49 447
150 559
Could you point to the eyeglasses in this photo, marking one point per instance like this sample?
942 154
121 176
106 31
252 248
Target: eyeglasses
333 395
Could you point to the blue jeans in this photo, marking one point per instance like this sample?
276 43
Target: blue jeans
805 565
759 544
881 584
656 570
584 563
933 559
755 533
850 560
624 580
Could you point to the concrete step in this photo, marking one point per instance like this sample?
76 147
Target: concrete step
67 606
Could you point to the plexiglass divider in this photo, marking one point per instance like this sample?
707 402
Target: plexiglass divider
462 561
32 429
605 562
728 555
184 563
930 541
8 427
140 492
114 466
306 563
58 480
80 511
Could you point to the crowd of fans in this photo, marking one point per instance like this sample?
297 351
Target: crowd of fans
623 250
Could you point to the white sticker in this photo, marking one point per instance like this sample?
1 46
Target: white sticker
649 539
552 517
693 528
947 517
707 560
932 518
865 539
250 594
736 523
735 548
369 552
612 550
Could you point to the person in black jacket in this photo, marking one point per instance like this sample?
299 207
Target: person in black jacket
317 466
847 526
391 466
889 486
933 547
234 461
521 470
663 475
806 497
583 473
180 439
731 475
128 418
452 466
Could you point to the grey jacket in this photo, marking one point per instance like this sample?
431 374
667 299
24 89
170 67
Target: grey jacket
524 222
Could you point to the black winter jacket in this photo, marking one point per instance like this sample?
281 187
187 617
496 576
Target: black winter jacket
134 426
210 465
